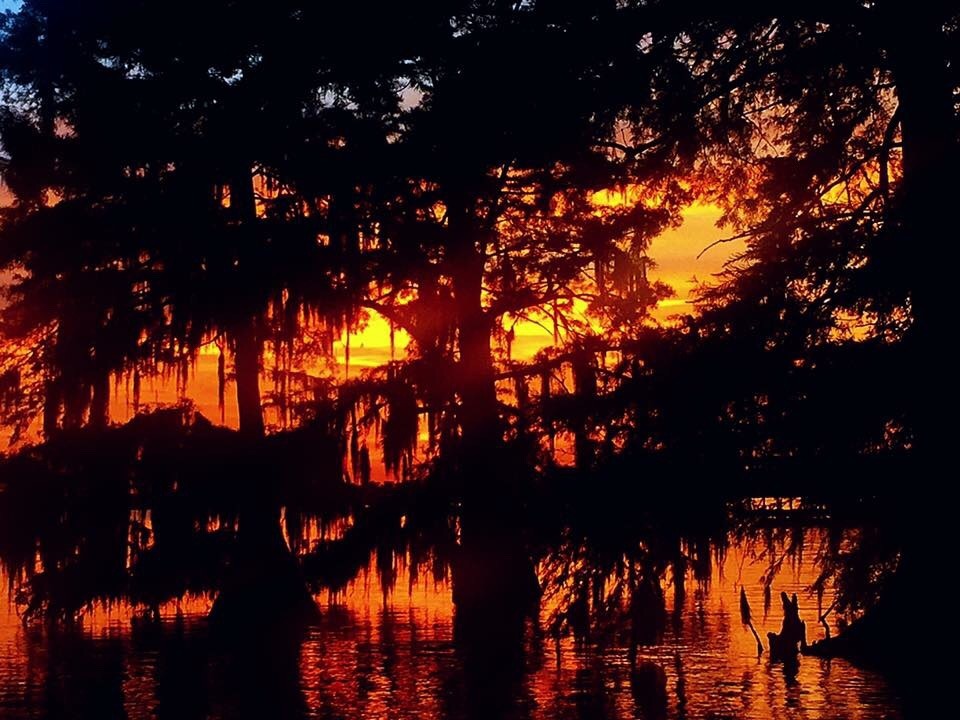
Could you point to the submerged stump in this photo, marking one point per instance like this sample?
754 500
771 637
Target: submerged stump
792 638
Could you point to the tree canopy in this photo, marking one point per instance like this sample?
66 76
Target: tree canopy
257 172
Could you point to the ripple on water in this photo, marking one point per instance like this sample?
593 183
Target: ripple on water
397 658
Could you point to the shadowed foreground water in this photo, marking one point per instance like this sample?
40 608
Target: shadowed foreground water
377 655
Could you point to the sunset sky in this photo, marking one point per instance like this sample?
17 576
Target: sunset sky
675 253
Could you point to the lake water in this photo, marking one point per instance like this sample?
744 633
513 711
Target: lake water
393 655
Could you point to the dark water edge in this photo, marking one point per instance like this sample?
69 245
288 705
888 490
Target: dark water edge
382 652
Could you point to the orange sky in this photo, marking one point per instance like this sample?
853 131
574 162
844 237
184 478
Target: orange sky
675 253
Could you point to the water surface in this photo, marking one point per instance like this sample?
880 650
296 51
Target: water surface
377 654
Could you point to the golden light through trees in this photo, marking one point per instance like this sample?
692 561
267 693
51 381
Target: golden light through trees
675 253
678 263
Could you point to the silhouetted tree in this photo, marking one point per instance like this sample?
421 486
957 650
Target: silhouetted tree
512 134
207 165
199 179
838 137
243 173
829 135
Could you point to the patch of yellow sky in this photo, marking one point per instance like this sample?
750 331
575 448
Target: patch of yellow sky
677 253
679 264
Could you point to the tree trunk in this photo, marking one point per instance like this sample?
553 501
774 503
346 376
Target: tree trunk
479 419
917 52
247 369
494 581
918 56
243 210
51 407
99 415
585 385
263 591
76 400
480 438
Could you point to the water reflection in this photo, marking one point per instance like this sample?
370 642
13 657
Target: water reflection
376 653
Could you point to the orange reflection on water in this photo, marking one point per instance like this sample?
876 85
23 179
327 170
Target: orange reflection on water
391 652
